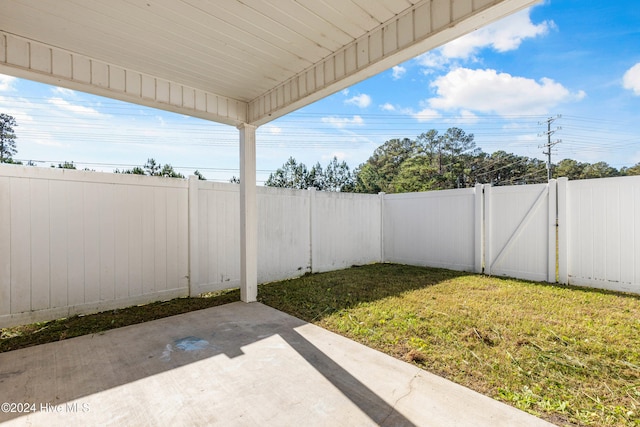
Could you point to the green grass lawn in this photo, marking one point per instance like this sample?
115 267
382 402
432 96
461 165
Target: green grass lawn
569 355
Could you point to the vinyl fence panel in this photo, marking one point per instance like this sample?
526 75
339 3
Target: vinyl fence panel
75 242
345 230
435 229
603 233
284 233
218 237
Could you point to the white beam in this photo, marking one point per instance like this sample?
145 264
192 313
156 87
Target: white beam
29 59
248 215
426 25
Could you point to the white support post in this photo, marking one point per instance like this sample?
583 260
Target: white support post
563 247
248 215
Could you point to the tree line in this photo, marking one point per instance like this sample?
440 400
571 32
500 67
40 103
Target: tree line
431 161
434 161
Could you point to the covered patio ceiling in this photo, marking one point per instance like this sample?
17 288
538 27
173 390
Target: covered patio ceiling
230 61
237 62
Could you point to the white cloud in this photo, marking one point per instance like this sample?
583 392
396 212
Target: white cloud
387 107
272 129
341 122
502 36
631 79
426 114
6 83
398 72
345 92
466 117
362 101
488 91
432 60
63 91
75 109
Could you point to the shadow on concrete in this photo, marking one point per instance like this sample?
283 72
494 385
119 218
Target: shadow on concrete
61 372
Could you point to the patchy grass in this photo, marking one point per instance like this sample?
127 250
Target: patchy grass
569 355
56 330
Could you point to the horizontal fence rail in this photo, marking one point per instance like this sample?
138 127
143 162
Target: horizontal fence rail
77 242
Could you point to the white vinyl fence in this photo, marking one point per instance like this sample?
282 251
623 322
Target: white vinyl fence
435 229
73 242
76 242
600 245
299 231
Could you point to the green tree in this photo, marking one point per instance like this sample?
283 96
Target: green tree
598 170
199 175
569 168
152 168
7 138
502 168
378 172
460 148
168 172
633 170
315 177
135 171
17 162
429 144
337 177
66 165
418 173
290 175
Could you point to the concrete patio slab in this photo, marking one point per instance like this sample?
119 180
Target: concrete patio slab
234 365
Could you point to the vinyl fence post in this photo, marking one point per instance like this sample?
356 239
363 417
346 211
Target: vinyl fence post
563 230
478 249
381 196
193 256
312 228
488 255
552 236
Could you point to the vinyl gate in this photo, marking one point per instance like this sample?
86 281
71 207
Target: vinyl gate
520 231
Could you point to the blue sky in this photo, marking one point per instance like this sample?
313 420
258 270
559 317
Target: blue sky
578 59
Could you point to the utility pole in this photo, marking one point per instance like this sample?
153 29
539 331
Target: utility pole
549 143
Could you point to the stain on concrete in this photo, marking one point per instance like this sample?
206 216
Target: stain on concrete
191 344
186 344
